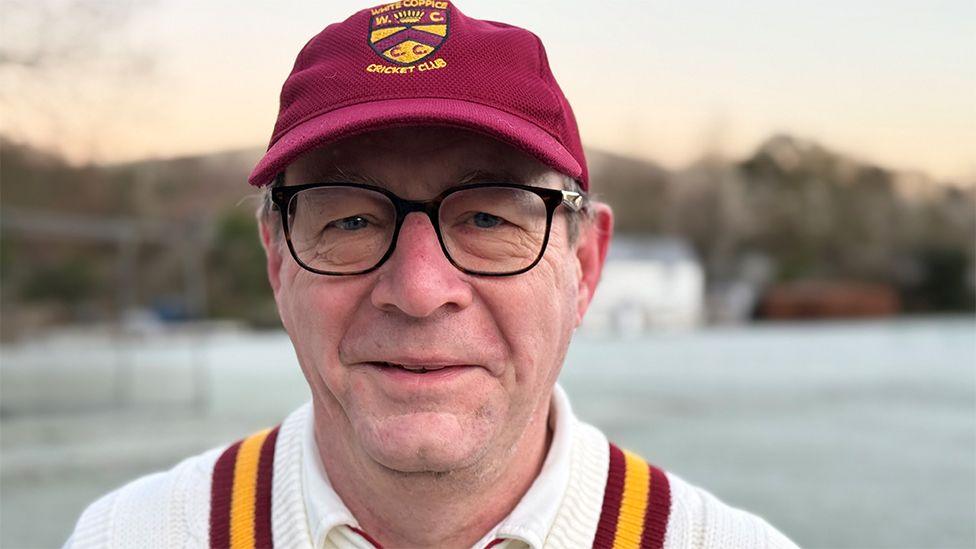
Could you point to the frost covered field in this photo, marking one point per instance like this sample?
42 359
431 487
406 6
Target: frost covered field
840 434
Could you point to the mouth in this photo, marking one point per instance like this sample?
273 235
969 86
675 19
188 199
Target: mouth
412 368
412 377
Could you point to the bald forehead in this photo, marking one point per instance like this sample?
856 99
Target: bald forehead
419 162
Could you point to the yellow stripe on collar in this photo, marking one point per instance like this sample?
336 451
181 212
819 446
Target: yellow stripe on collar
245 488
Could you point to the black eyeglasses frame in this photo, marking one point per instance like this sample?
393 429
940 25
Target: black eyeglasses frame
282 195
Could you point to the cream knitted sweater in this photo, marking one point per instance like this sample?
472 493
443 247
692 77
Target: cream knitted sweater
172 508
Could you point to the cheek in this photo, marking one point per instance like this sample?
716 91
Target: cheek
316 312
555 290
536 316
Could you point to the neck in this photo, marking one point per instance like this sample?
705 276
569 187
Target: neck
434 509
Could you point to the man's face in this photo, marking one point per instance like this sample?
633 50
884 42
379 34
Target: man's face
494 344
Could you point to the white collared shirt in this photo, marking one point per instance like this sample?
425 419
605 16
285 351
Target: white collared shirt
527 526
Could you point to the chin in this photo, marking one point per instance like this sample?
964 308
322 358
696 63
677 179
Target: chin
426 442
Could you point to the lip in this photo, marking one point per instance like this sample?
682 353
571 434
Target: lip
418 366
417 361
419 374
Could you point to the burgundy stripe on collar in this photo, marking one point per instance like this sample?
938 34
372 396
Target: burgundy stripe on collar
638 493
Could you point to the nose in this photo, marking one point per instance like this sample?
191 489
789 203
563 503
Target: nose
418 279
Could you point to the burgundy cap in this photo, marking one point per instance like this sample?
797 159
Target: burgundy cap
423 62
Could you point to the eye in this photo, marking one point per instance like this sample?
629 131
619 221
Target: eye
486 221
353 223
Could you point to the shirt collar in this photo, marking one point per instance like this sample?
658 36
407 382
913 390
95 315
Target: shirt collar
533 517
530 521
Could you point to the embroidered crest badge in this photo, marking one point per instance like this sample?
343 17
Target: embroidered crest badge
408 31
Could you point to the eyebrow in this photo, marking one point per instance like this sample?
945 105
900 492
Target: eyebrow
338 175
487 176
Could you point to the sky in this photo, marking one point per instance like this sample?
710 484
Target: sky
890 82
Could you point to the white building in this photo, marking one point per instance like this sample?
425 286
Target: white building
648 283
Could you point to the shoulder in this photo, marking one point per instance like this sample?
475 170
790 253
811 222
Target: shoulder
170 508
699 519
675 514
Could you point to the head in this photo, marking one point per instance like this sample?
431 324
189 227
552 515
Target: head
496 344
417 365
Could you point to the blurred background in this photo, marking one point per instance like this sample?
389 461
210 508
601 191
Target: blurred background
786 318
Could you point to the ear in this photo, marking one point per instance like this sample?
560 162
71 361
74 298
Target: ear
591 252
271 241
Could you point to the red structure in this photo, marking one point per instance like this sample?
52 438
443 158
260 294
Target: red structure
829 299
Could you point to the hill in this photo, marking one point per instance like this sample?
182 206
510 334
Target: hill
810 212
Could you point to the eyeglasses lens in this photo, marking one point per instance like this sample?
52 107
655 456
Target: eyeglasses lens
340 229
493 229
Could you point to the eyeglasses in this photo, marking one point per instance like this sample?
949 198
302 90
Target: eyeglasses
490 229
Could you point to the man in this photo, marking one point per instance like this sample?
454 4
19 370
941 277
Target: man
431 248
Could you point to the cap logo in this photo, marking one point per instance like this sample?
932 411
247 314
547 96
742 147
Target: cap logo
408 31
